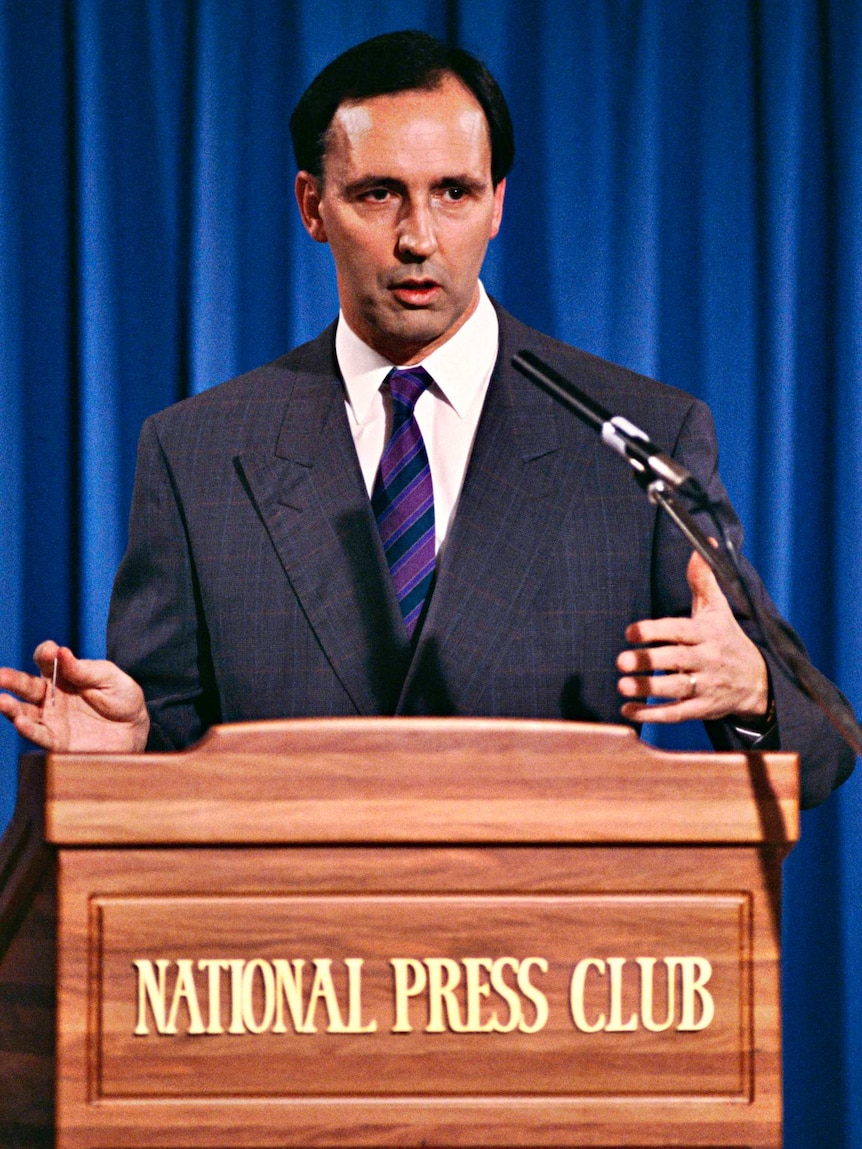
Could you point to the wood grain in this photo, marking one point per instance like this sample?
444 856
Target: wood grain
382 840
551 1088
27 970
367 780
557 1061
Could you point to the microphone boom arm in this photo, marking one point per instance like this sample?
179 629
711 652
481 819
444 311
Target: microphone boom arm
663 479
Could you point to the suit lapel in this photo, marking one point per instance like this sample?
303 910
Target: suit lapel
312 500
525 471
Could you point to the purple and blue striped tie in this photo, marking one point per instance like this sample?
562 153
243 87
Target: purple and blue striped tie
403 498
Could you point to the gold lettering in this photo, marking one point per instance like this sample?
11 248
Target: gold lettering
354 998
694 987
533 994
263 991
322 987
236 968
402 968
440 991
477 989
647 967
184 990
213 968
507 993
268 983
576 995
615 1021
152 991
288 988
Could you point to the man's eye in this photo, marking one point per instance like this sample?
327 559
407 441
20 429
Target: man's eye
377 195
455 193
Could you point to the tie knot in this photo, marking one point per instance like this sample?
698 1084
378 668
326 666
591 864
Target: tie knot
407 384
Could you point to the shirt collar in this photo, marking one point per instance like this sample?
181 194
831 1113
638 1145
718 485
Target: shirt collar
459 367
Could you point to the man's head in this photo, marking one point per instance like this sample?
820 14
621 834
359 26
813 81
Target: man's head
396 62
402 173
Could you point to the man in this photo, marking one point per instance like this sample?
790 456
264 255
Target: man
326 537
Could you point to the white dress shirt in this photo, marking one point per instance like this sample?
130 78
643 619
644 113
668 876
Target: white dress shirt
447 412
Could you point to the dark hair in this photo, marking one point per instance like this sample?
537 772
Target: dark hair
396 62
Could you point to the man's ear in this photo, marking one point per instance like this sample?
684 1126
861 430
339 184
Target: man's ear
497 218
308 195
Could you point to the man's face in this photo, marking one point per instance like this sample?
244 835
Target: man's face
408 207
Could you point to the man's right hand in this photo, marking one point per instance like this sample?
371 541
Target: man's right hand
95 707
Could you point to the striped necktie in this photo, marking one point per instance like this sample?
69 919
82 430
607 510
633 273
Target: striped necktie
403 498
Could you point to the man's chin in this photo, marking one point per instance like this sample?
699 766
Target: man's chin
412 332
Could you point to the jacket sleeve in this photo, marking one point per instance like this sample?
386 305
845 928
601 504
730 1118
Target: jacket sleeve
801 726
156 629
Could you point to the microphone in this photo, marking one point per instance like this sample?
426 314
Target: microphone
615 430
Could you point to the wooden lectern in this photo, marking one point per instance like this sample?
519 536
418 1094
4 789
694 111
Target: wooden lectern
395 932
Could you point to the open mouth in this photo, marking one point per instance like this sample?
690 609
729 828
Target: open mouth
416 293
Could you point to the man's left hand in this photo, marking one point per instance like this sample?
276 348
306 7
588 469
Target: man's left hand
711 669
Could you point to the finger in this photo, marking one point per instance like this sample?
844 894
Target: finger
71 671
10 707
25 719
652 658
44 656
664 713
678 686
35 731
27 686
663 630
705 591
80 672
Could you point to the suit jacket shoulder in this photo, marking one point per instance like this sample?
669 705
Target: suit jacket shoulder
621 390
249 407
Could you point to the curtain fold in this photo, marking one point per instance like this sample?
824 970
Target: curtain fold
686 200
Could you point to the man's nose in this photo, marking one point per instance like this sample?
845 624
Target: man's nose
417 237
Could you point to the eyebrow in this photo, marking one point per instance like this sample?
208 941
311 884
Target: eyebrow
366 183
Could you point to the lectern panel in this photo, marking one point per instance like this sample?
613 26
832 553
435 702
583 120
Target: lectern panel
424 996
473 996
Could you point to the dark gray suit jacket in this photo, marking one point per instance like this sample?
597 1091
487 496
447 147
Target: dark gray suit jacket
255 585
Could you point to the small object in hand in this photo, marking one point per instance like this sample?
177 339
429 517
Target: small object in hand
54 683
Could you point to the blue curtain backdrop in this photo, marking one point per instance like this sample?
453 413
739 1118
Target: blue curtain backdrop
687 200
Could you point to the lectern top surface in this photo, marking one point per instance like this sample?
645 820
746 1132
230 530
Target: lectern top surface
415 780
